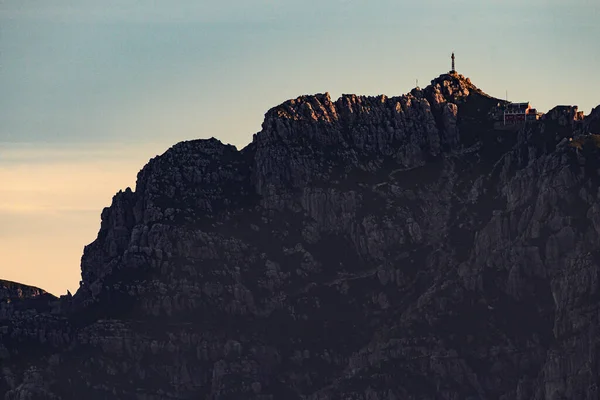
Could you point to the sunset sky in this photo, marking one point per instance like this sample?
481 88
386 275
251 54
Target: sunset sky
90 90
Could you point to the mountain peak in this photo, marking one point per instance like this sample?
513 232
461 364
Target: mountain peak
357 248
454 86
448 87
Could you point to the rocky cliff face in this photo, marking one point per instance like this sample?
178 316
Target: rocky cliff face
367 248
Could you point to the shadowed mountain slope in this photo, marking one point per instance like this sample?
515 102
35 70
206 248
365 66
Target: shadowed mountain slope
371 248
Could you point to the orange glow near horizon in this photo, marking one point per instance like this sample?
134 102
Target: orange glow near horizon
50 210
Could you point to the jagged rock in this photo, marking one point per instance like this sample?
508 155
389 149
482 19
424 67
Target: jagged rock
12 291
362 248
592 122
564 115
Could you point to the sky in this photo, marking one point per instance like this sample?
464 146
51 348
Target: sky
90 91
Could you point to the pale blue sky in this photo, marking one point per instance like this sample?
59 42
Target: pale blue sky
87 86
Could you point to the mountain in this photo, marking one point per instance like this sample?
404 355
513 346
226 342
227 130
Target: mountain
12 290
368 248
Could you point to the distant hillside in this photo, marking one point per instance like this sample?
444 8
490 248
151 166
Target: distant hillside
12 290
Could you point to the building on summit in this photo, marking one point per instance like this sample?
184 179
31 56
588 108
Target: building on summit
519 112
511 113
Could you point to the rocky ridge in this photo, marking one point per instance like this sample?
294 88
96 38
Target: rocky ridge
364 248
12 290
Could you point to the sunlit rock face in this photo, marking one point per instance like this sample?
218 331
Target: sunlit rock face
371 248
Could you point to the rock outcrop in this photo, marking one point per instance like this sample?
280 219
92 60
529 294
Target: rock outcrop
564 115
592 122
11 290
371 248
